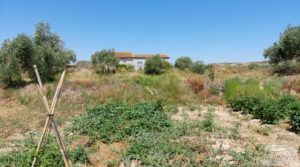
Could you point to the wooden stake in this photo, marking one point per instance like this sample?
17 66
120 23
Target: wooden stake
50 115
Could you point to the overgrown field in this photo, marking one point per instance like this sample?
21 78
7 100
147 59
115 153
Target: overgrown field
240 118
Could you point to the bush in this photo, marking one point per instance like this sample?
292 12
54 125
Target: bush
165 87
252 66
198 67
159 149
117 121
105 61
50 156
167 65
295 121
208 123
183 63
266 109
211 72
125 67
286 68
45 49
154 65
79 154
269 111
232 88
196 84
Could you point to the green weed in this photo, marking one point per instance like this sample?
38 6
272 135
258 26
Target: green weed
117 121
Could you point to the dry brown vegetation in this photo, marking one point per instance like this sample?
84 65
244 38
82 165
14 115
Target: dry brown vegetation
191 95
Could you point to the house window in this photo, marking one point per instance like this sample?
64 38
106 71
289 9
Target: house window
140 64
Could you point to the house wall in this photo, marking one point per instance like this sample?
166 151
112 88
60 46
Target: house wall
126 61
136 63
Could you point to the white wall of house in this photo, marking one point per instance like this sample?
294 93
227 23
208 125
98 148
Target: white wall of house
136 63
126 61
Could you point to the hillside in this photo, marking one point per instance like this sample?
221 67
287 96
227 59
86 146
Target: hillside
116 121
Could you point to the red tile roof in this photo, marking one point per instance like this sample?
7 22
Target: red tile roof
127 55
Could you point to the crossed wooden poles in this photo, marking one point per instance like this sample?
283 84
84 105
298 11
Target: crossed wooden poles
50 122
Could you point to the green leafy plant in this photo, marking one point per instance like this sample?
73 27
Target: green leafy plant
198 67
295 121
105 61
79 154
208 123
159 149
183 63
117 121
154 65
211 72
48 156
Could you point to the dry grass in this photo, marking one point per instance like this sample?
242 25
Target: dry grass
292 85
196 83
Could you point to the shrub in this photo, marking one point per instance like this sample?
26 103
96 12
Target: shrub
167 65
208 123
269 111
117 121
211 72
125 67
50 156
154 65
183 63
196 84
105 61
286 68
198 67
214 89
252 66
159 149
79 154
247 104
295 121
235 88
232 88
266 109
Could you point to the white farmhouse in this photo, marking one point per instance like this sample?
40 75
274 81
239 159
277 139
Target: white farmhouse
136 60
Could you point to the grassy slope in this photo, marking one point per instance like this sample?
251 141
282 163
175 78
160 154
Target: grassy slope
20 109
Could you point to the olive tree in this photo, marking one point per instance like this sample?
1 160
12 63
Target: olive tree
105 61
50 55
198 67
154 65
287 48
45 49
183 63
10 68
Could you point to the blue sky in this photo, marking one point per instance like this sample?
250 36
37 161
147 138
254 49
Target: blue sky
208 30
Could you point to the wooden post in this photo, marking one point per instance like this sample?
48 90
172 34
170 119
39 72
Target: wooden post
50 117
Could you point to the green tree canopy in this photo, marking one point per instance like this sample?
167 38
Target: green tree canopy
183 63
154 65
287 48
198 67
10 65
105 61
45 49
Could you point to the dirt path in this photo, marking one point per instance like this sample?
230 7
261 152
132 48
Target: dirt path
283 145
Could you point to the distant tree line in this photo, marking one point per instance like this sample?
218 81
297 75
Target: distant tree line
44 48
186 63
